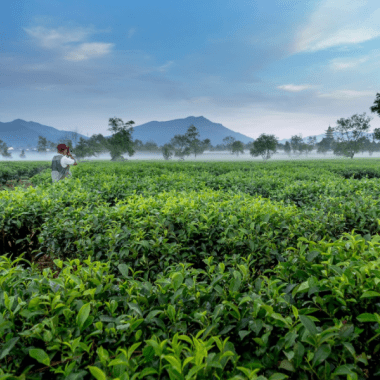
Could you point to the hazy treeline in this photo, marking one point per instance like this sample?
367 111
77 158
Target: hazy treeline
351 140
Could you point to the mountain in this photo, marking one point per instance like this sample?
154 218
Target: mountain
22 134
161 132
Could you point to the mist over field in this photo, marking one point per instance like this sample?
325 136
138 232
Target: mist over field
207 156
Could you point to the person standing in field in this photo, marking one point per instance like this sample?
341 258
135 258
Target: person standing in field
60 166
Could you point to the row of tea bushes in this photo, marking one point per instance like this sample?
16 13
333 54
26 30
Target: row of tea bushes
150 233
332 205
311 317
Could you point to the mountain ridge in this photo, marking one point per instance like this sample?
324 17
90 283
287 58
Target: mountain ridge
22 134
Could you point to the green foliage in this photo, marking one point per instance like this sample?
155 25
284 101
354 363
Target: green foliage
265 145
184 271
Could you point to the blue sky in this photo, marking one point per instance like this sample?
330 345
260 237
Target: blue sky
277 67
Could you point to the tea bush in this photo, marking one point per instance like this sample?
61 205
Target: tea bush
193 271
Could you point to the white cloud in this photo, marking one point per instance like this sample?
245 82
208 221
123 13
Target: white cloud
61 38
338 22
57 37
341 64
88 50
293 88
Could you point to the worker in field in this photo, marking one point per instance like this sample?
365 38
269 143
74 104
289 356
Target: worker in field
60 166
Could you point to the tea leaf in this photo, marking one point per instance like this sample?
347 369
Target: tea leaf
83 314
285 364
366 317
278 376
40 355
322 353
147 371
97 373
123 268
177 280
309 324
370 294
8 347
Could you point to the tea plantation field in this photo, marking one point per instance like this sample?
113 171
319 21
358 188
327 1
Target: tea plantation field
181 271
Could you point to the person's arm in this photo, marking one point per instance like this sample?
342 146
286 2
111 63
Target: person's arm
75 163
68 161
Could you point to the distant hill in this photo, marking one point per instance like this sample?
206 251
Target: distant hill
21 134
24 134
161 132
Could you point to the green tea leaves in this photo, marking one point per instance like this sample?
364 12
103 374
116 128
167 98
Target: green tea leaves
309 324
7 347
177 280
40 355
83 315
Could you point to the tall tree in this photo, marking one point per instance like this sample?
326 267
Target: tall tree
287 148
195 145
138 145
151 146
237 147
4 149
42 144
228 141
323 146
179 143
376 107
352 132
167 151
121 141
265 145
295 143
310 145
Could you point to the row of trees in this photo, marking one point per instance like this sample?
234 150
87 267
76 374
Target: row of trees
351 140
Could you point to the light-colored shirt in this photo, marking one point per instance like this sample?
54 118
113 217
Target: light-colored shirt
60 168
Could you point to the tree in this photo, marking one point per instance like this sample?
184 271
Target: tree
167 151
351 137
4 149
151 146
249 145
295 143
42 144
265 145
371 147
305 148
179 143
22 155
121 141
195 145
287 148
376 107
323 146
237 147
138 145
228 141
311 141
